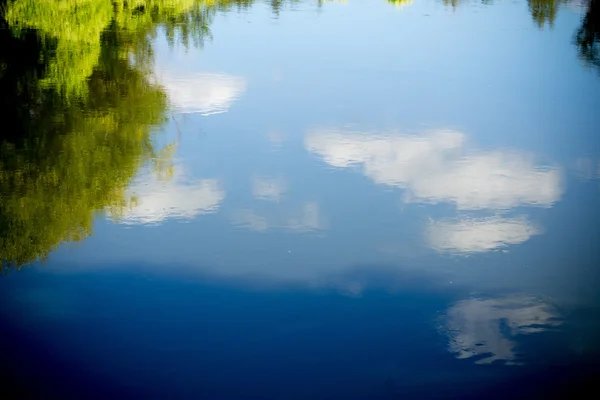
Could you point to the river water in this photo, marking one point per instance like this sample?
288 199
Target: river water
299 200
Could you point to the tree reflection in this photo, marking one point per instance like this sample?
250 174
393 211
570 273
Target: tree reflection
75 87
544 11
453 3
588 35
400 3
73 160
72 32
75 90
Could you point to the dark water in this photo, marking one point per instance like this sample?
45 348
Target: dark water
299 200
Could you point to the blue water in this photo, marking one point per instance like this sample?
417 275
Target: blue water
367 202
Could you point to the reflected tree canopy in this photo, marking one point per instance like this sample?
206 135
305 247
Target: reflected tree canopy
73 32
400 3
588 35
76 90
76 93
544 11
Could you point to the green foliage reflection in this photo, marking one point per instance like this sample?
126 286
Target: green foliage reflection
544 11
72 31
80 114
75 160
75 89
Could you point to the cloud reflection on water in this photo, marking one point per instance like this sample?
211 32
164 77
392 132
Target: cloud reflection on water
177 198
203 93
434 168
306 218
479 235
488 328
268 189
437 167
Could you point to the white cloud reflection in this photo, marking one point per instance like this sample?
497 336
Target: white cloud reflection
203 93
305 219
479 235
487 328
434 168
178 198
437 168
268 189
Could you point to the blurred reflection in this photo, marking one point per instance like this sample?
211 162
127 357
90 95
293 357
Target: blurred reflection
436 168
479 235
544 11
587 169
156 200
400 3
332 1
202 93
433 168
268 189
73 32
305 218
75 28
452 3
488 329
76 92
68 161
588 35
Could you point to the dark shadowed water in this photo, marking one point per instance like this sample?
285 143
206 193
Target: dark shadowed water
299 199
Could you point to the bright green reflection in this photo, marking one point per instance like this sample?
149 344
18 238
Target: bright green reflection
69 159
72 32
75 87
77 93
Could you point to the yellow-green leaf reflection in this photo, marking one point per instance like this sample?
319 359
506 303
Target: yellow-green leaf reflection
544 11
75 89
76 92
75 161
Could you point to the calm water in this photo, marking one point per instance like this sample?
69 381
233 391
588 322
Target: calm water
299 200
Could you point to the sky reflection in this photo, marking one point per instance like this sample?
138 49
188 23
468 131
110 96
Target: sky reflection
179 197
203 93
437 167
440 167
487 329
479 235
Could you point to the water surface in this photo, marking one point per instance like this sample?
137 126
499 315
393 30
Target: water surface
299 200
